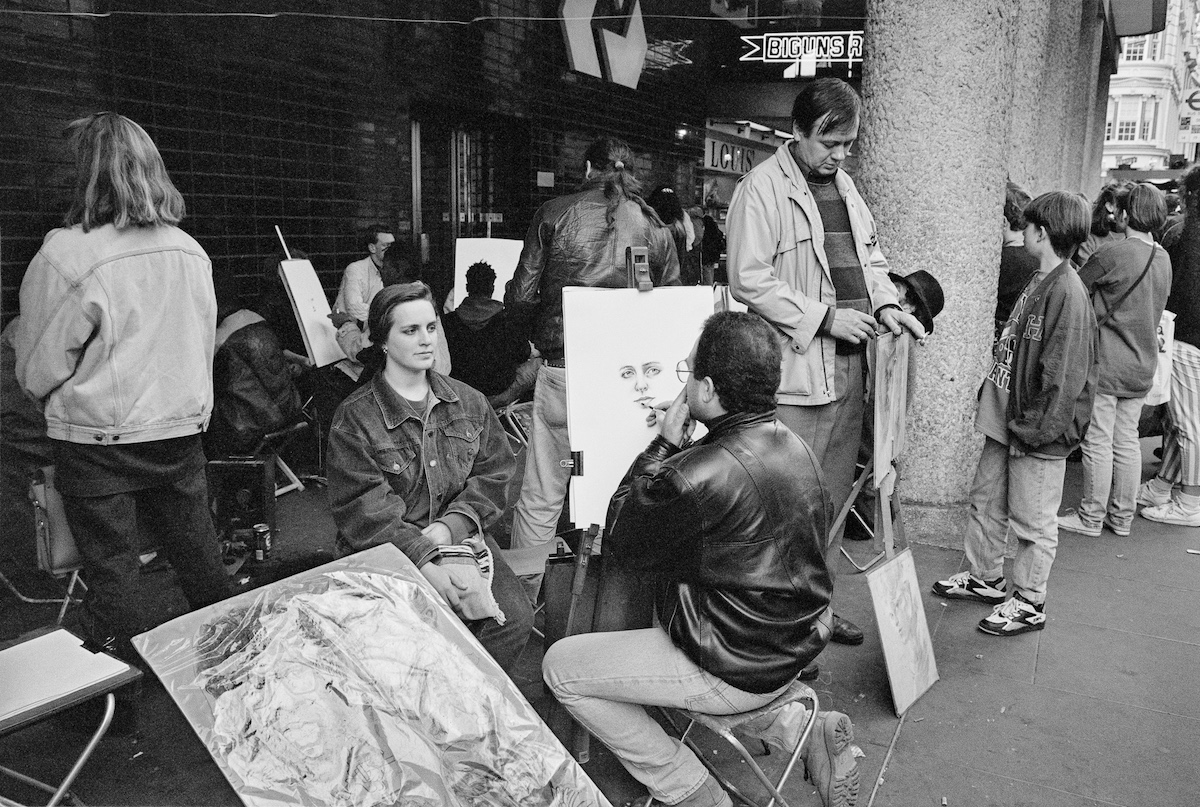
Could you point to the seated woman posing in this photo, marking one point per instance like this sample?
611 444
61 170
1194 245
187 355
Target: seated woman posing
419 460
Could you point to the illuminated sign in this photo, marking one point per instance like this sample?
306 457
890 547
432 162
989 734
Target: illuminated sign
623 54
804 51
732 158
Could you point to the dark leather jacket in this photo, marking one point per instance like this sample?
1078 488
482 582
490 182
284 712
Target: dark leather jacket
734 529
570 243
253 391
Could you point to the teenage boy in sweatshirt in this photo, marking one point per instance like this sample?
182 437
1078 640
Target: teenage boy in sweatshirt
1034 407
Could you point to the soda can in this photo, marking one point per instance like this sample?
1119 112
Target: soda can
262 542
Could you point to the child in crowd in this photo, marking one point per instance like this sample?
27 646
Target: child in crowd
1034 407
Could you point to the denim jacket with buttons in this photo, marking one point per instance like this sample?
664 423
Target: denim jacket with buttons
378 450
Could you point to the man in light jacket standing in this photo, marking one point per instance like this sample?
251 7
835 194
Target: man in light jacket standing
803 253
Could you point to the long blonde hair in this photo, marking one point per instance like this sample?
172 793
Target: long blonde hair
121 178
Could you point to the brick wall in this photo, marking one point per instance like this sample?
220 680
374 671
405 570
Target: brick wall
305 123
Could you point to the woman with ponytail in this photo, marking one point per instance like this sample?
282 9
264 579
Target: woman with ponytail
576 240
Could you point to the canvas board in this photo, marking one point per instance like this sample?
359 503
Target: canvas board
891 401
501 254
311 307
622 347
355 684
903 629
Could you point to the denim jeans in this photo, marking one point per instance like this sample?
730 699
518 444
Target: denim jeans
505 642
1112 462
1021 493
603 678
535 520
834 432
106 530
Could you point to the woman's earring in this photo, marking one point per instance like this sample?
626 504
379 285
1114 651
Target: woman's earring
385 350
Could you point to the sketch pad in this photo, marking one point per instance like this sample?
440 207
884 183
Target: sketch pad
622 347
311 308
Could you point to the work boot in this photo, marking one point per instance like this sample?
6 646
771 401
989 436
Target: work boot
829 760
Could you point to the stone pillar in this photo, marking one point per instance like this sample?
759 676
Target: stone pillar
938 92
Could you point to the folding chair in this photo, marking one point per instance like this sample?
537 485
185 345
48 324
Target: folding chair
56 551
274 442
723 726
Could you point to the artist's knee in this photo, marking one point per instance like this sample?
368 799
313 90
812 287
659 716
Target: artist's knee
560 667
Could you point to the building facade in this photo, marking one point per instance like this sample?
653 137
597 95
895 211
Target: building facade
1153 117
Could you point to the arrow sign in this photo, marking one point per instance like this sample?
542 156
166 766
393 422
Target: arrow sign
576 16
625 55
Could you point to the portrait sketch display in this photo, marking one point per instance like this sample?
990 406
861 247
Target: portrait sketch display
501 254
622 349
311 307
891 401
903 631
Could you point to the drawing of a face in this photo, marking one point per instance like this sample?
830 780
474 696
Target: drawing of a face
642 379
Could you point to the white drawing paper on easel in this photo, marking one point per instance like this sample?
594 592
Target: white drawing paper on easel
501 254
891 402
903 630
311 307
622 348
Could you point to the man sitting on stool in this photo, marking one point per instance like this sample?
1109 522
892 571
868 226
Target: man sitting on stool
734 529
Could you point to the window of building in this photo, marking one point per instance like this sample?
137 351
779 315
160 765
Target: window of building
1133 49
1126 129
1108 129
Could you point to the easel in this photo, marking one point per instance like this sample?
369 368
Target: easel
890 404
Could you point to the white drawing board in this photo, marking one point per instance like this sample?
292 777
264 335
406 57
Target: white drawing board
622 347
311 307
501 254
903 631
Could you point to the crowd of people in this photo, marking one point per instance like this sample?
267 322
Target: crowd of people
734 528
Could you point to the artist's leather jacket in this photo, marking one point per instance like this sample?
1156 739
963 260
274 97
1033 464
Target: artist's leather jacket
735 530
570 243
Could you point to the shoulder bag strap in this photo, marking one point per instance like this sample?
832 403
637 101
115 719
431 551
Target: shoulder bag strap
1113 308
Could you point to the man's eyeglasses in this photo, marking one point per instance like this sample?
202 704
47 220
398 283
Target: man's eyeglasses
682 371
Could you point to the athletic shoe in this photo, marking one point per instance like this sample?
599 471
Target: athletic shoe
1014 616
1116 529
1071 522
1149 496
829 760
1173 512
966 586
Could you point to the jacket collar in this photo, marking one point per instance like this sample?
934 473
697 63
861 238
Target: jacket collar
393 409
798 185
734 421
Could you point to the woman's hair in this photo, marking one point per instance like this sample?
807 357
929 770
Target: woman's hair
666 204
1145 204
383 307
612 164
1102 219
1015 200
120 176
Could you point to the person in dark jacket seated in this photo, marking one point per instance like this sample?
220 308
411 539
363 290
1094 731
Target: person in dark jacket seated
253 390
486 352
733 529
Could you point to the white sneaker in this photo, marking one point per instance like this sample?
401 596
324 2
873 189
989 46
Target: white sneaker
1173 512
1073 522
1149 496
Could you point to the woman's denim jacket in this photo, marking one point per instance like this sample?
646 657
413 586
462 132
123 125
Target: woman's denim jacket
377 450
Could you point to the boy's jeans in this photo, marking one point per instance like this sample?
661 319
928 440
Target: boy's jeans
603 678
1021 493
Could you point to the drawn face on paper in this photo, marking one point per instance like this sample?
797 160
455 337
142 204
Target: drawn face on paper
642 381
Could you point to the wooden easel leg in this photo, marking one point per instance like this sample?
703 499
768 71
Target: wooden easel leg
580 739
294 482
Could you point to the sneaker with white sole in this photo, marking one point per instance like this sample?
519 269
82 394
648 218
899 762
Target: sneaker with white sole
1149 495
966 586
1073 522
829 760
1014 616
1173 512
1117 529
